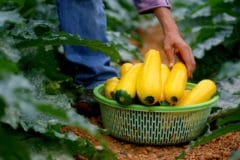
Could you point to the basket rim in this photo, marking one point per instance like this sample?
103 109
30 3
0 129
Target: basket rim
138 107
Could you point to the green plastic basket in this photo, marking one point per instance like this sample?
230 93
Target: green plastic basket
155 125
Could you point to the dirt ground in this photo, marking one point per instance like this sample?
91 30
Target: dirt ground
218 149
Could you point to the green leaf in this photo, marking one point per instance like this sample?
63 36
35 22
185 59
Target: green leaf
216 133
7 52
228 70
9 16
52 111
22 101
42 60
227 89
206 24
8 66
233 117
31 145
11 148
24 111
3 106
225 117
66 38
126 50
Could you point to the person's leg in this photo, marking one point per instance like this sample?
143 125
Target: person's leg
86 18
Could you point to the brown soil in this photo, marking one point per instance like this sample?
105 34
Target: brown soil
217 149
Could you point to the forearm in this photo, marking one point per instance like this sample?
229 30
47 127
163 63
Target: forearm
173 43
168 24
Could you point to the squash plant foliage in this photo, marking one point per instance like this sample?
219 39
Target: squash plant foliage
36 93
212 28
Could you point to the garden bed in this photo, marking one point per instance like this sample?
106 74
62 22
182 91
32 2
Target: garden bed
219 148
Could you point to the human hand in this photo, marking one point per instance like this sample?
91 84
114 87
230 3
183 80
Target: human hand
173 43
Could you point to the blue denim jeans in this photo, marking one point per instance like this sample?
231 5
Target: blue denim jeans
86 18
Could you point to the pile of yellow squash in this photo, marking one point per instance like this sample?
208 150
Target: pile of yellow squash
154 83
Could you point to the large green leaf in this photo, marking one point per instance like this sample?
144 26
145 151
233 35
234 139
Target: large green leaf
229 116
29 109
216 133
64 146
24 110
206 24
229 89
66 38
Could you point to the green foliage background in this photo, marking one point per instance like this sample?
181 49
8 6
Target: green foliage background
212 29
36 95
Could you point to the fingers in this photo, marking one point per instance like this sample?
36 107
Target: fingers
188 58
185 53
191 66
170 55
176 45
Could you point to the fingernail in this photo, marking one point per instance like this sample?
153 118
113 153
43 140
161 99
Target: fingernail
171 64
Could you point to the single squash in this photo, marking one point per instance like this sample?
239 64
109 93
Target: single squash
201 92
164 75
126 88
176 83
110 86
149 85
